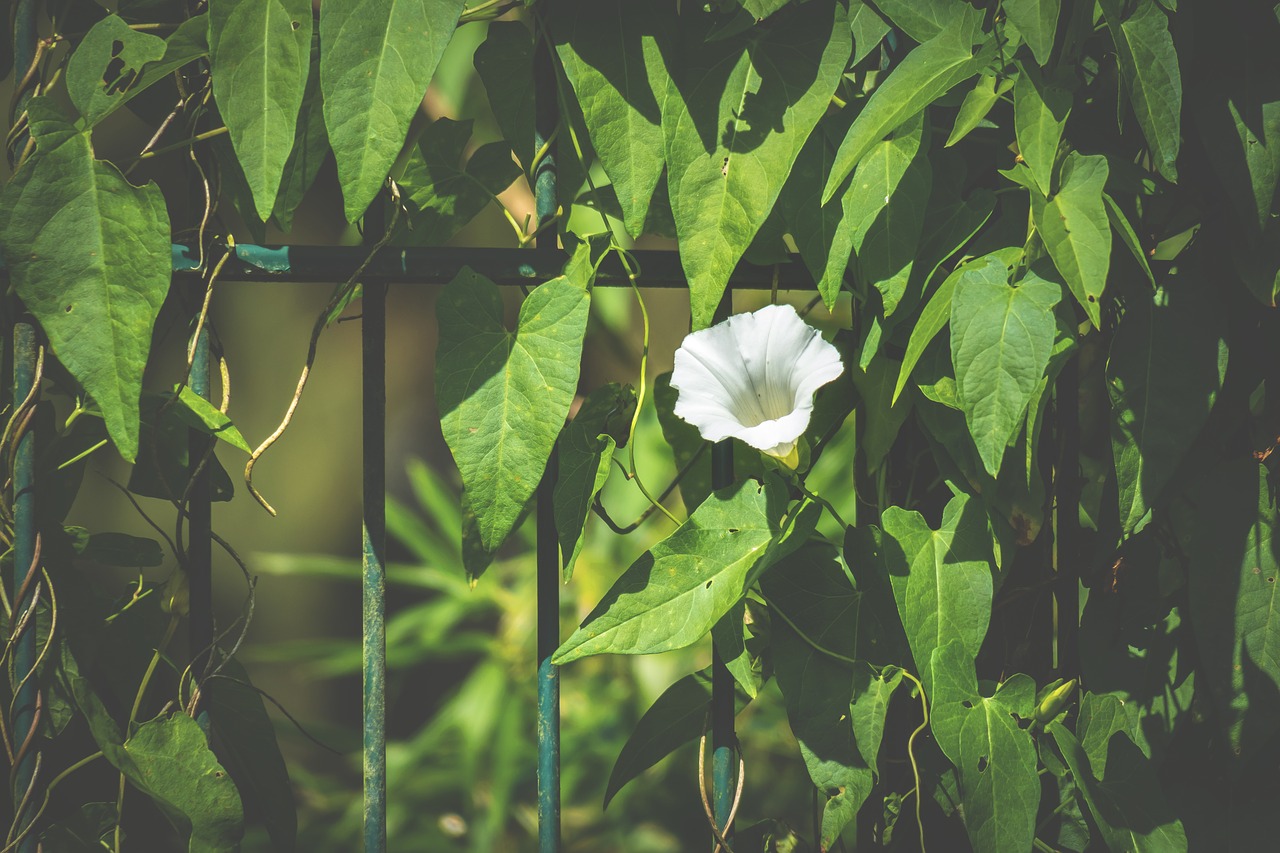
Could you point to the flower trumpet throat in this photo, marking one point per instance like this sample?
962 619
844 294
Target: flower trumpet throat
753 378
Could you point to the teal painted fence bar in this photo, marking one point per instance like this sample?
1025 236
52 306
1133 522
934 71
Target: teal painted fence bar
723 738
373 337
546 118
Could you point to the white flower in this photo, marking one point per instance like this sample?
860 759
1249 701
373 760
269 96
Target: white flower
753 378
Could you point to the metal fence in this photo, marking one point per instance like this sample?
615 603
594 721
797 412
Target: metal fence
337 264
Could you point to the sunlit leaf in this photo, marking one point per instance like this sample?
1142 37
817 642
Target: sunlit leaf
1074 227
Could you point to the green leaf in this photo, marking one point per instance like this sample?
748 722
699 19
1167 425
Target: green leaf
984 95
1128 236
310 147
885 204
121 549
1074 227
440 195
937 311
924 75
246 741
504 61
1149 67
824 234
1101 715
96 57
734 133
1040 111
169 759
198 413
871 694
998 783
1227 526
941 578
676 718
884 417
921 19
1129 807
164 465
258 53
82 831
741 638
104 66
504 396
88 254
868 29
761 9
1037 21
1001 339
586 454
611 54
811 592
679 588
376 62
1167 363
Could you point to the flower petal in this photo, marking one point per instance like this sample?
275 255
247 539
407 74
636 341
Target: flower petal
753 378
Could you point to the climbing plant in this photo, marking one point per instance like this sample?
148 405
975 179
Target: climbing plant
1012 571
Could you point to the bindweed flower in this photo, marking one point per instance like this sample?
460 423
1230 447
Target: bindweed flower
753 378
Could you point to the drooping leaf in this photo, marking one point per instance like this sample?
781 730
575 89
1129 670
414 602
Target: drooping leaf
259 52
504 396
926 73
586 454
1074 227
612 59
824 234
1040 110
1227 525
439 193
310 146
810 592
247 743
1037 20
1167 363
937 311
679 588
741 638
885 204
734 132
375 63
504 62
984 95
1101 716
884 416
1120 223
163 466
88 254
676 718
1153 82
1129 808
1001 339
121 549
871 694
921 19
198 413
941 578
868 29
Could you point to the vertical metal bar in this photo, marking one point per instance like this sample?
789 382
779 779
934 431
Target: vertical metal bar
22 581
200 527
373 335
546 118
22 588
723 737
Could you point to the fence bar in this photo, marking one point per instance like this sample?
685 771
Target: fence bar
373 332
548 259
199 565
723 738
333 264
22 584
22 589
